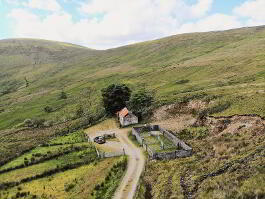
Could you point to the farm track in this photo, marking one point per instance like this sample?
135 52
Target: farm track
136 162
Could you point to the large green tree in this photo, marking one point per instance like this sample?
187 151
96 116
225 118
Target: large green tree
141 102
115 97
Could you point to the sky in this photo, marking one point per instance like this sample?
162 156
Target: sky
103 24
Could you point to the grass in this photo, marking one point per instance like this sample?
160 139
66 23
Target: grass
76 137
84 179
103 126
37 153
214 63
155 143
106 189
72 158
237 159
77 182
66 182
228 64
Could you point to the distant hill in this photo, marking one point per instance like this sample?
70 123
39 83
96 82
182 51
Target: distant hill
227 66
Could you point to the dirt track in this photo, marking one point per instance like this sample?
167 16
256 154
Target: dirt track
136 161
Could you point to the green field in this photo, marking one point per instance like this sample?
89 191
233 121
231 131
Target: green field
62 170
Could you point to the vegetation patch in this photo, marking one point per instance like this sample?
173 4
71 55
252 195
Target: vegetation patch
106 189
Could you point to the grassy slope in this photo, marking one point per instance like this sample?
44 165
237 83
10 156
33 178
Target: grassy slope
230 63
73 183
235 160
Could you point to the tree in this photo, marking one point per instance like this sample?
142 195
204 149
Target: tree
115 97
140 103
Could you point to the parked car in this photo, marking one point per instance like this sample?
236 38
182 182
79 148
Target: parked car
99 140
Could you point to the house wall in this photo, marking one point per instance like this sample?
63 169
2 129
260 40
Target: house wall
128 120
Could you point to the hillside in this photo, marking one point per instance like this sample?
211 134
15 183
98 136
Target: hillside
229 64
209 91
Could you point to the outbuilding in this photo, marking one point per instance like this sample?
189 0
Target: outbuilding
126 117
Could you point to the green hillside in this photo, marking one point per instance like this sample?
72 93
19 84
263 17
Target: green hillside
228 65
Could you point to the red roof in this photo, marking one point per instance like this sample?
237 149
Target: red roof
123 112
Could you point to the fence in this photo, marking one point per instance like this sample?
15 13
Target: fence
112 154
102 154
184 151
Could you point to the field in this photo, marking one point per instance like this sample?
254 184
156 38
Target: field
65 167
155 142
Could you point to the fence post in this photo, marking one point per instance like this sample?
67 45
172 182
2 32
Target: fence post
123 151
88 139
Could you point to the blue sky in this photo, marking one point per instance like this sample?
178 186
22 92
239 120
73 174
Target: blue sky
105 24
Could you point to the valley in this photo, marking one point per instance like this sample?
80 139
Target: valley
208 89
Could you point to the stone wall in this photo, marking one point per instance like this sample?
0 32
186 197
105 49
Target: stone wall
174 139
185 150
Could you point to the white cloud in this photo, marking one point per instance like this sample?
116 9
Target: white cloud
253 9
202 7
211 23
54 26
108 23
51 5
13 2
111 23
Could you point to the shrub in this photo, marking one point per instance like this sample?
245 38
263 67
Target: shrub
68 187
38 123
48 123
26 162
220 107
62 95
28 123
79 111
48 109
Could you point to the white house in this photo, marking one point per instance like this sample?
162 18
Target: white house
126 117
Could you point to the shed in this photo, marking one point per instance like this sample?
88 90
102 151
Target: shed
126 117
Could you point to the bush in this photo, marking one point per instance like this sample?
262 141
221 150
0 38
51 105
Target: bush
38 123
220 107
48 123
62 95
68 187
193 133
48 109
79 111
28 123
